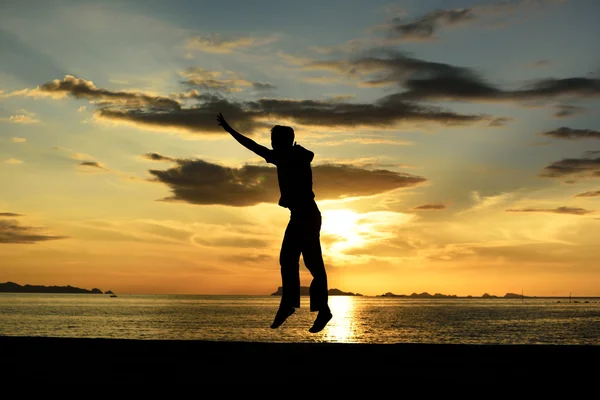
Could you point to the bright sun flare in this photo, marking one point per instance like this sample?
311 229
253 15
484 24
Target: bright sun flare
343 225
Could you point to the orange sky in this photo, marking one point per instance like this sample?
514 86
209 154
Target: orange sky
449 156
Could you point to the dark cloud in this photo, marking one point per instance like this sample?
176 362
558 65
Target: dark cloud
594 193
9 214
200 182
386 112
578 167
558 210
430 207
263 86
11 231
157 111
200 118
472 88
157 157
81 88
573 134
491 14
425 80
93 164
565 111
425 26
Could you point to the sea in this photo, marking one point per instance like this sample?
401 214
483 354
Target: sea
356 319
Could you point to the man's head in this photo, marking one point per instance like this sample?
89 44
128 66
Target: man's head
282 137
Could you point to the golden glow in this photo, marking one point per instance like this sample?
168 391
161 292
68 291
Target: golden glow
342 327
343 226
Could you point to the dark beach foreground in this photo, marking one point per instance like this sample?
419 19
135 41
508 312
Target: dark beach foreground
87 361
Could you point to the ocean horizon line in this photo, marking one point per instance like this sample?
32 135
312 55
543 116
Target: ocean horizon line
12 287
404 297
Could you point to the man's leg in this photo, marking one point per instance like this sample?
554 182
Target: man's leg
313 259
289 259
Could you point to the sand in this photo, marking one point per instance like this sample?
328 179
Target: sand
93 361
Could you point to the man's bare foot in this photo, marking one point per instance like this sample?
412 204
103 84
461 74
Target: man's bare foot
322 319
282 314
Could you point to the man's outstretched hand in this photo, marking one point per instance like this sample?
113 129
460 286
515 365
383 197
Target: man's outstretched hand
223 123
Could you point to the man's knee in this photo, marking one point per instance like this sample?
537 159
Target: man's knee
287 264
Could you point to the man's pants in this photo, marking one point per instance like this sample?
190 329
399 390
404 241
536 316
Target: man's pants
302 236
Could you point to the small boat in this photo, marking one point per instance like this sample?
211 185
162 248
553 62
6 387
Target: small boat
113 295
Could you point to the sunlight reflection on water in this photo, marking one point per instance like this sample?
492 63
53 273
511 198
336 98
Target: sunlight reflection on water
355 319
341 327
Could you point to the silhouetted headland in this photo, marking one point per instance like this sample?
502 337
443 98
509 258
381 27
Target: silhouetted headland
11 287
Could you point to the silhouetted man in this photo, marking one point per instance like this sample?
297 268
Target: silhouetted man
302 235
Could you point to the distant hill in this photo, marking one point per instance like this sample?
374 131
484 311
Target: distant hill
11 287
423 295
426 295
305 291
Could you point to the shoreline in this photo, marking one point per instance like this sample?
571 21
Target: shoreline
92 360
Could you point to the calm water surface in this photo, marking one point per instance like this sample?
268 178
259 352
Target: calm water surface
355 320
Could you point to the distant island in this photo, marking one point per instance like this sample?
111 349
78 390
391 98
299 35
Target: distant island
305 291
426 295
11 287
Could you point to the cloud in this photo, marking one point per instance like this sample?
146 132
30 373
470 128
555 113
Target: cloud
13 161
247 116
578 167
198 119
20 119
418 79
84 89
9 214
558 210
200 182
11 231
573 134
211 80
152 111
205 80
263 86
424 27
565 111
216 43
595 193
157 157
430 207
93 164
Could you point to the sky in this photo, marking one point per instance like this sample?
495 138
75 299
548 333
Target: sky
456 144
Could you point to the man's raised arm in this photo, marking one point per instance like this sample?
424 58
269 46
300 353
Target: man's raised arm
243 140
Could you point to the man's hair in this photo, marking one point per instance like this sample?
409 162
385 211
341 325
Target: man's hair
283 134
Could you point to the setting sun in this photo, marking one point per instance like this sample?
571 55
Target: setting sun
343 228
